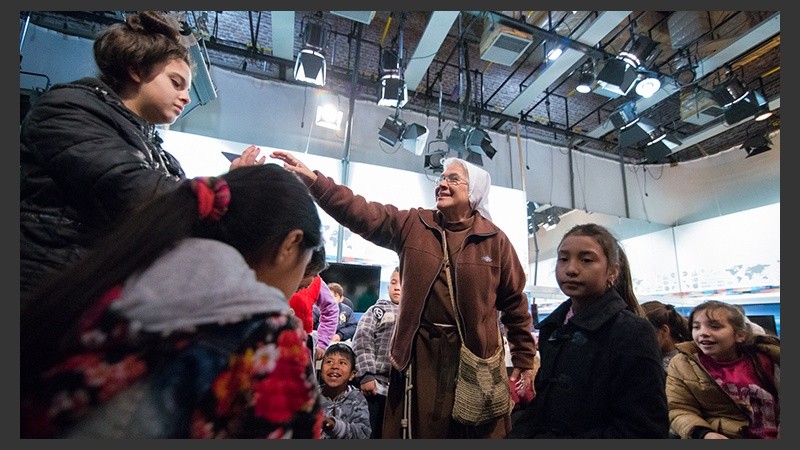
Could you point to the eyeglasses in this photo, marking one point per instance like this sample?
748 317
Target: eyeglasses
451 179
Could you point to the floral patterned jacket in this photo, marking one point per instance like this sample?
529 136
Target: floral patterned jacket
242 376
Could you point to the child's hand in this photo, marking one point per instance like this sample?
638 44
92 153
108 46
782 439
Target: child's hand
327 424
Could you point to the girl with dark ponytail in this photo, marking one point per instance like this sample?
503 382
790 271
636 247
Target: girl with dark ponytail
180 319
671 328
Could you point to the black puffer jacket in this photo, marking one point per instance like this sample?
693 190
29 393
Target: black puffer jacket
600 377
85 161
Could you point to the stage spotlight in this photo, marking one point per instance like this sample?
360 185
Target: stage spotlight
752 104
554 54
757 144
478 141
310 67
620 73
661 147
394 92
586 79
624 115
648 86
632 128
328 113
457 138
637 131
617 76
729 91
638 51
434 161
685 68
413 136
310 64
471 142
739 102
392 130
551 221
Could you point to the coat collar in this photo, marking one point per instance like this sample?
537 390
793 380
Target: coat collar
597 313
481 226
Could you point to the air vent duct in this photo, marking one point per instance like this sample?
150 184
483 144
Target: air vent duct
364 17
699 107
686 27
502 44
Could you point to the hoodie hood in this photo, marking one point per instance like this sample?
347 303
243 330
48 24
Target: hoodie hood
199 281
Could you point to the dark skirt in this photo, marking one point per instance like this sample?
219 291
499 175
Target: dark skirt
434 363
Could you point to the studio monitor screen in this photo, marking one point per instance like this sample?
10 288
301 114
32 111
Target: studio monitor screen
361 282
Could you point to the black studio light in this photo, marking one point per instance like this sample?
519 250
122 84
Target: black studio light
413 136
657 150
620 73
586 77
617 76
394 92
632 129
471 142
740 102
310 67
757 144
435 161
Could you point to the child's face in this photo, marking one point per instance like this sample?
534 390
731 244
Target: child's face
715 336
336 370
394 288
582 270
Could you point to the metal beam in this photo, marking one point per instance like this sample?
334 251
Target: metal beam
435 31
283 34
597 30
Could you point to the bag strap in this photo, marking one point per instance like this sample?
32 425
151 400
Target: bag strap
452 297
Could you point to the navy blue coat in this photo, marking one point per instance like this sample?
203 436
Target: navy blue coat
601 376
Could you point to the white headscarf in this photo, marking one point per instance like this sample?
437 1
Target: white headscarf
479 183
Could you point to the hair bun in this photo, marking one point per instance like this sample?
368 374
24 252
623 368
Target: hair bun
155 22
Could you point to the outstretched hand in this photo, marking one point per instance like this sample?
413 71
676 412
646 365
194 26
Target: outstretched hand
293 164
249 157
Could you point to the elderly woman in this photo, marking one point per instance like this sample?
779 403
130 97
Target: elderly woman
487 277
